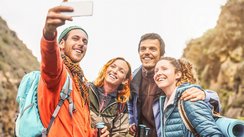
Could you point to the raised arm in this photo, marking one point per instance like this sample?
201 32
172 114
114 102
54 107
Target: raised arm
51 66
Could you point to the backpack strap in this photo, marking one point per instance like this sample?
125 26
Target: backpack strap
65 94
185 119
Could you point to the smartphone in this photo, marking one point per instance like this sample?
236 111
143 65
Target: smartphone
81 8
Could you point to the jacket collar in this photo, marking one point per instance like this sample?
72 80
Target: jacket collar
136 80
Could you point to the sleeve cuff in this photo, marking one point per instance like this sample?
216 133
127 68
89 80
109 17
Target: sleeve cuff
50 39
207 95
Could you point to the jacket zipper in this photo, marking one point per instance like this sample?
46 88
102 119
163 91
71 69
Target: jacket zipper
148 90
99 112
108 106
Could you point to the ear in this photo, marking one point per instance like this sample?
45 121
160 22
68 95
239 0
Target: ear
125 81
121 86
61 44
178 75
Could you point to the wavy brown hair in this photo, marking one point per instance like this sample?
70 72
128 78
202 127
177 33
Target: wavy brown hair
124 93
185 67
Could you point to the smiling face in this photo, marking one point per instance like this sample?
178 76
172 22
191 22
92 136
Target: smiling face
149 52
75 45
165 75
116 73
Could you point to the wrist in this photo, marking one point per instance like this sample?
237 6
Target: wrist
49 35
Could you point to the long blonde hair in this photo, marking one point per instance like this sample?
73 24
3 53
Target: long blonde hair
124 93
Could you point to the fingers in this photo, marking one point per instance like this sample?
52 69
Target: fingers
132 129
104 129
61 8
200 95
104 132
194 99
55 18
193 94
186 95
55 15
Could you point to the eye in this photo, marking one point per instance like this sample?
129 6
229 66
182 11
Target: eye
112 66
122 71
156 70
85 41
75 38
153 49
164 68
142 49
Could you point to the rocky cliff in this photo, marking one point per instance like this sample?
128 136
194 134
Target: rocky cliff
219 58
15 61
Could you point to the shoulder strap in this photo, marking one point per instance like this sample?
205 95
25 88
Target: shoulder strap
185 119
64 95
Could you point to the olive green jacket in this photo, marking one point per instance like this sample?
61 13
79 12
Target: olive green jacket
117 123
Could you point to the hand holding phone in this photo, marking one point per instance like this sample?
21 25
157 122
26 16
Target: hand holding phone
81 8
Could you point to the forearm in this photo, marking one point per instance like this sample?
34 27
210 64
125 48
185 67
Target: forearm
51 66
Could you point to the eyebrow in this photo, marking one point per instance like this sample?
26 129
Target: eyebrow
120 68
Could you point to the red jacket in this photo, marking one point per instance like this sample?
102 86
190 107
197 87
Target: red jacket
53 76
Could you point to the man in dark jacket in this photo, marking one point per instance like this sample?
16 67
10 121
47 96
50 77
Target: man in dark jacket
144 90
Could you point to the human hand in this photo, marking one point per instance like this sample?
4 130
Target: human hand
193 94
104 132
55 19
132 129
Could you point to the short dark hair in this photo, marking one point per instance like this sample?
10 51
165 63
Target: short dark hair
153 36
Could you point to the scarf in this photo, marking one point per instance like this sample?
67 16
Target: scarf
78 77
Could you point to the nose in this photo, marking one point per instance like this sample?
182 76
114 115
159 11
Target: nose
81 43
158 73
115 70
146 51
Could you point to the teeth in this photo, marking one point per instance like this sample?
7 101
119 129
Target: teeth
161 79
147 58
112 76
79 51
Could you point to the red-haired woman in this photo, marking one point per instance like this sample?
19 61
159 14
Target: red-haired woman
109 94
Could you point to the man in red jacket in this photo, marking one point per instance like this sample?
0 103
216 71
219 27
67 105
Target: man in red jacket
57 61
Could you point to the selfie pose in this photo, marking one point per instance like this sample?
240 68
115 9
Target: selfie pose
108 96
173 77
58 61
